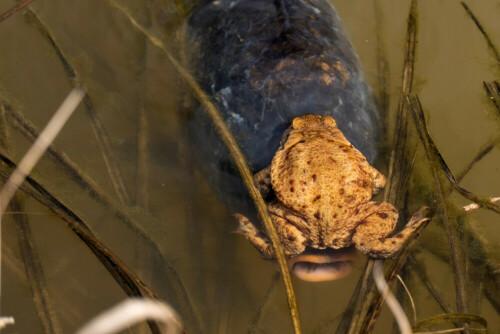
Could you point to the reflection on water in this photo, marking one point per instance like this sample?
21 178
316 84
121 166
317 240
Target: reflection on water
185 252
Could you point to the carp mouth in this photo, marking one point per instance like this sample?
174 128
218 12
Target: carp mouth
322 265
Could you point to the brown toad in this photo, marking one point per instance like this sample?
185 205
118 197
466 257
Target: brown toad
323 186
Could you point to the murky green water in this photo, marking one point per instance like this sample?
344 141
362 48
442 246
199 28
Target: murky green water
187 255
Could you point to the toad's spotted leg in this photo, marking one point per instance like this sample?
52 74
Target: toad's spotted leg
291 238
247 229
370 236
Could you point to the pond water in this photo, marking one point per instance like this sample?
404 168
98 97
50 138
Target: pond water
173 232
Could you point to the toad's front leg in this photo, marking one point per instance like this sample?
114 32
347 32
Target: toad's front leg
370 236
263 181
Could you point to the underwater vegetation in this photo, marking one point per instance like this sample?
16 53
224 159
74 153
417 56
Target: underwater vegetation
117 208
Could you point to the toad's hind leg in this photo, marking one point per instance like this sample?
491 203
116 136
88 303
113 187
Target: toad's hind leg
370 236
291 237
256 237
292 240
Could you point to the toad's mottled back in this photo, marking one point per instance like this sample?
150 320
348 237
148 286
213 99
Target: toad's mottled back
317 172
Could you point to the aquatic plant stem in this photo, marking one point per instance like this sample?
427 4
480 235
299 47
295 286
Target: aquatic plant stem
102 138
493 92
490 43
96 192
375 304
398 157
449 221
71 168
254 324
383 74
14 9
452 318
398 165
412 302
34 271
130 283
32 263
353 312
36 151
142 193
488 147
238 158
435 156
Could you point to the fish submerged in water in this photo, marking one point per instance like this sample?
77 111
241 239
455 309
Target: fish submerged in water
265 64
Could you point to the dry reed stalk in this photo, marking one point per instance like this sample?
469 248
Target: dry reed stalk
124 276
405 288
238 158
14 9
130 312
475 206
388 297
